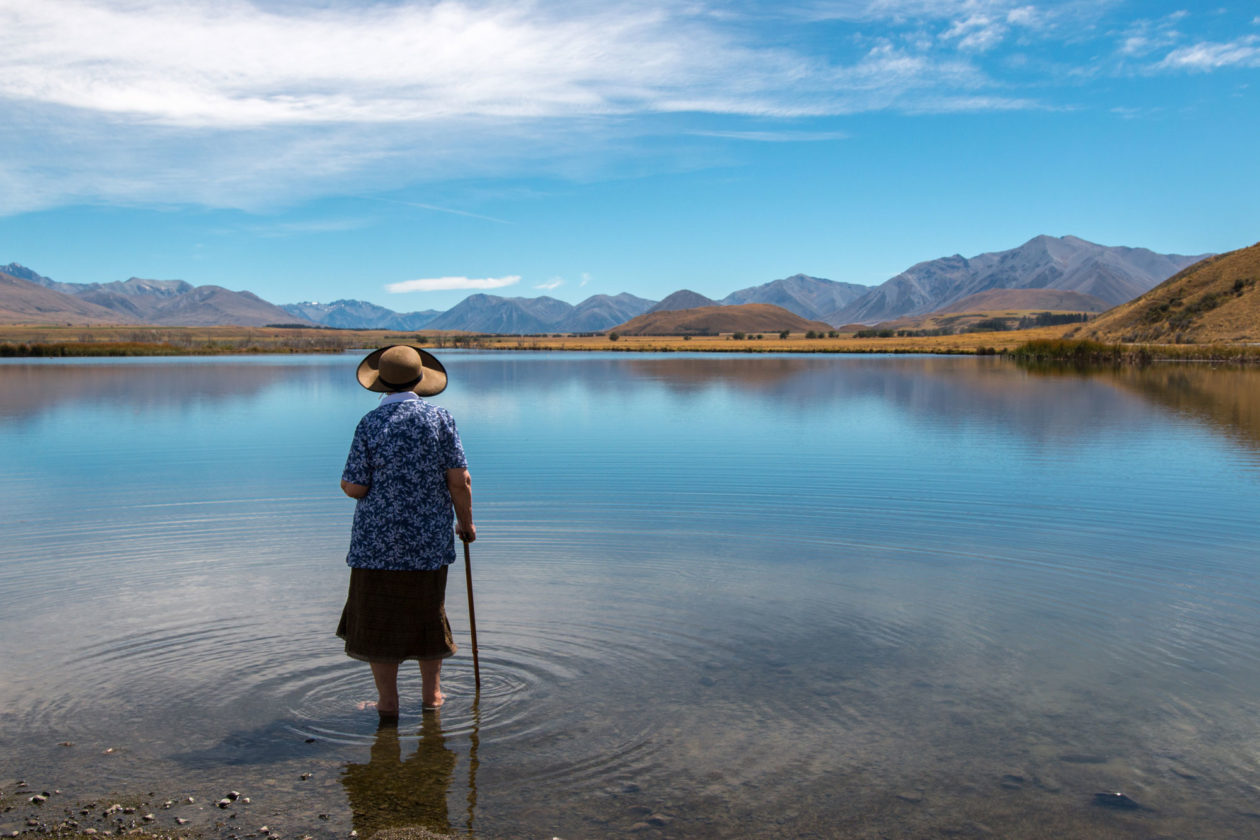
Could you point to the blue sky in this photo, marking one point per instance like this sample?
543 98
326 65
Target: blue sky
411 153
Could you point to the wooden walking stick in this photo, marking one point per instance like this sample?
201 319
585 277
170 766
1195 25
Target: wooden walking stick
472 616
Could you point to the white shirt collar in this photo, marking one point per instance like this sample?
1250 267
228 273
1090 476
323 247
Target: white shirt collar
402 396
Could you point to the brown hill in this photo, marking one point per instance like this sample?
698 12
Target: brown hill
24 302
1216 300
1025 300
713 320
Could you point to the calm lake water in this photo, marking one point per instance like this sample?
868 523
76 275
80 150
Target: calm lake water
724 596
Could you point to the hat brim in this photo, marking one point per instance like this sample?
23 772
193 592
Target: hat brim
432 382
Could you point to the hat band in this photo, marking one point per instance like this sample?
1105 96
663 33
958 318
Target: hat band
399 386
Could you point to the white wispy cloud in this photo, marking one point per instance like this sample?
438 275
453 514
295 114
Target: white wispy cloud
233 103
977 32
553 283
443 284
1208 55
232 64
1146 36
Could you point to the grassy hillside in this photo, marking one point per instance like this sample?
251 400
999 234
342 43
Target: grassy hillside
714 320
1213 301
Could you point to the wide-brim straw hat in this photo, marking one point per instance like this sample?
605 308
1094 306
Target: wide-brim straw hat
402 367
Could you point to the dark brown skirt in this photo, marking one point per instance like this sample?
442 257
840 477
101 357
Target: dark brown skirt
392 616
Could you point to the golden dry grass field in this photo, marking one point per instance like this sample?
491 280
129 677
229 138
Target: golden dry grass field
771 343
35 340
145 340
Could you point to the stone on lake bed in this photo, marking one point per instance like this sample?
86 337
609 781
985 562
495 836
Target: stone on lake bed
1117 800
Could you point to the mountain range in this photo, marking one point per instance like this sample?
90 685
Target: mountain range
139 301
719 318
359 315
1060 265
1068 263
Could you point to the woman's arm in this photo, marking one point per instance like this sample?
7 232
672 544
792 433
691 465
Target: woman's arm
354 491
459 482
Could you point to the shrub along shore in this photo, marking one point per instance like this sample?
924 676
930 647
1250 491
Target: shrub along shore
1041 344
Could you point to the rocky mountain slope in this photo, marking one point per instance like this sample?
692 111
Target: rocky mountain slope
683 299
1015 300
809 297
24 302
1217 299
599 312
713 320
169 302
494 314
1114 274
359 315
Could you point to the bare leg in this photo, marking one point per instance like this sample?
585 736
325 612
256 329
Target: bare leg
431 682
386 676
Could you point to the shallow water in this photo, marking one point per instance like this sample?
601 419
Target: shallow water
716 596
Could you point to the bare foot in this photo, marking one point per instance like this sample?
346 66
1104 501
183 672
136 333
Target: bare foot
436 704
364 705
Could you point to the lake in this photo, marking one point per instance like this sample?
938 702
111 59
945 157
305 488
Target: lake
757 596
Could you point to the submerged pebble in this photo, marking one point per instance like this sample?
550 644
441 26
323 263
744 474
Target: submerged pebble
1117 800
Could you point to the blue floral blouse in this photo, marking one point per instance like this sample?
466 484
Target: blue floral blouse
401 452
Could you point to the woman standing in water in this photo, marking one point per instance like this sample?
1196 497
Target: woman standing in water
407 471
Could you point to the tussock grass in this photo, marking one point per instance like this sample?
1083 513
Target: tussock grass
1086 352
100 348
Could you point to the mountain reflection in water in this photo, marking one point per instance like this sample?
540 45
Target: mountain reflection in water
941 387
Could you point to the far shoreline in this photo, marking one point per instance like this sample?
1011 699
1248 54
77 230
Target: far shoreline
1040 344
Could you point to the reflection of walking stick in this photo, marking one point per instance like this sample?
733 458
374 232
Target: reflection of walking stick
472 616
474 739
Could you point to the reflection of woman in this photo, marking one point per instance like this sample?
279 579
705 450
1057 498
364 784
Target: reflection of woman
407 470
389 792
